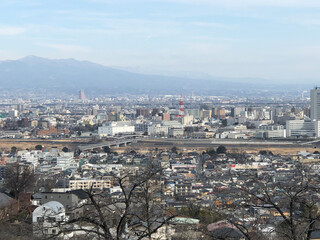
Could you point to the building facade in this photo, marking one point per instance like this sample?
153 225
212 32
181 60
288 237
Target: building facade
87 184
114 128
296 128
315 103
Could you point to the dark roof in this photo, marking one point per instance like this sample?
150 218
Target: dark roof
227 232
5 200
80 193
315 234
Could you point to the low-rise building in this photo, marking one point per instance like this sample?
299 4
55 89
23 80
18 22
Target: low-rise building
87 184
296 128
113 128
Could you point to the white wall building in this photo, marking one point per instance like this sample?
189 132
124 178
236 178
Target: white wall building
162 128
270 131
46 219
295 128
87 184
113 128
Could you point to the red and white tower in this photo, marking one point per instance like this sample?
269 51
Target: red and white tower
82 96
181 107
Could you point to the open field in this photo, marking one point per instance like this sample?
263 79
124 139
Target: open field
152 145
22 144
277 147
256 149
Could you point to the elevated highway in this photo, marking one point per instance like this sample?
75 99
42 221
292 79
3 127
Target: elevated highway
123 141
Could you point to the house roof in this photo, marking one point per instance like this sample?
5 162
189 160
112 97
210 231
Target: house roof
5 200
315 234
55 206
80 193
227 232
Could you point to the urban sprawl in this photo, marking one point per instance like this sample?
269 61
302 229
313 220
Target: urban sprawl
160 167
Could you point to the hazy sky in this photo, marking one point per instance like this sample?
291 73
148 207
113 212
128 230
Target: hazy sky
276 39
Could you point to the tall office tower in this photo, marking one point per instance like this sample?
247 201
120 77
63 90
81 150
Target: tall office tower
315 103
81 95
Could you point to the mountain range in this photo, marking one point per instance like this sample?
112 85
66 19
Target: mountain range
37 72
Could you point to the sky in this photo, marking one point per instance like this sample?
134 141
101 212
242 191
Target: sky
270 39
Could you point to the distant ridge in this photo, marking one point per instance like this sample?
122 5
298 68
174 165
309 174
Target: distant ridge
37 72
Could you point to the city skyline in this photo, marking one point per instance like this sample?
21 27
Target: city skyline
257 39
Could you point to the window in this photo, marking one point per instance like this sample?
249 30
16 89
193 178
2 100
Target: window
46 197
39 219
51 219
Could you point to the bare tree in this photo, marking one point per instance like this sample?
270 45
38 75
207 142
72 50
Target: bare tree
149 215
289 204
134 213
19 178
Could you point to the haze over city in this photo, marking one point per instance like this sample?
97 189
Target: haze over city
159 119
273 40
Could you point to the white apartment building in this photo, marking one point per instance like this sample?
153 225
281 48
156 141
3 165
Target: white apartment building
296 128
113 128
270 131
34 156
87 184
162 128
158 130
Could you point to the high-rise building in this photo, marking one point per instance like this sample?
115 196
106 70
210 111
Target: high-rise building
236 111
219 113
81 95
145 112
315 103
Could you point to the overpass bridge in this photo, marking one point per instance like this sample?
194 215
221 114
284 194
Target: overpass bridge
123 141
310 142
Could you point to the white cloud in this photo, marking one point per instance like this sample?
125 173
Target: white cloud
7 31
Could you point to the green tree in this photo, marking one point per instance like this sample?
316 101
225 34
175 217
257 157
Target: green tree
65 149
224 122
221 149
107 149
174 149
133 152
211 152
38 147
13 150
93 160
265 152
